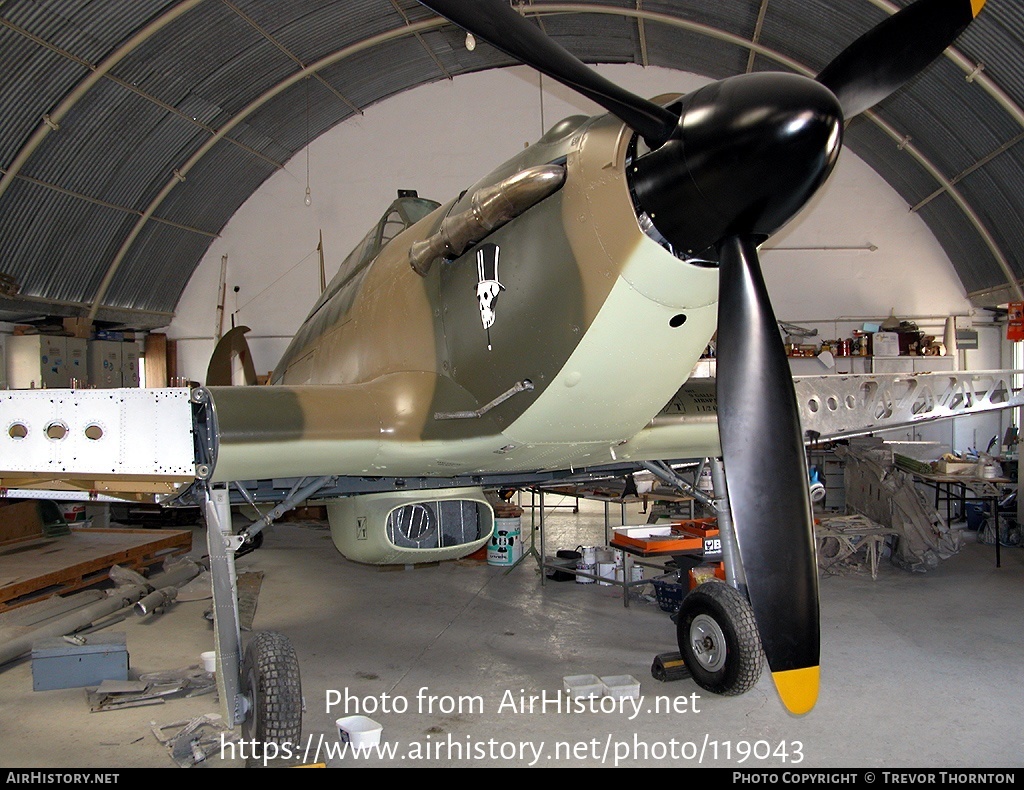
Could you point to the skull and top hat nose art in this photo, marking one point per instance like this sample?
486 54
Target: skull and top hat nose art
488 288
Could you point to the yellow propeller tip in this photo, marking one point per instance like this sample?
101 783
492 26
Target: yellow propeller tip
798 688
976 6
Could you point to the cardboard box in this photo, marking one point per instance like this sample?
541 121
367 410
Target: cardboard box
956 467
78 327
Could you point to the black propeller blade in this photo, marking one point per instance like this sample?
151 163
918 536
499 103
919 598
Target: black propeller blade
762 445
891 53
495 22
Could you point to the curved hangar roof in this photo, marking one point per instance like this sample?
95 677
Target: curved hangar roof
132 130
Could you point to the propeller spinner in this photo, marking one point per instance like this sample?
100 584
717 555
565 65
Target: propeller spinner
727 166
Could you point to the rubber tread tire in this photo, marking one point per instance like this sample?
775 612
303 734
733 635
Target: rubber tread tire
732 613
270 678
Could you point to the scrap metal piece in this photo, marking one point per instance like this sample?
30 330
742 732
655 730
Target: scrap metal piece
156 600
195 740
112 603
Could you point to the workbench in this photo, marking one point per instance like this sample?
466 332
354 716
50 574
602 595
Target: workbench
965 488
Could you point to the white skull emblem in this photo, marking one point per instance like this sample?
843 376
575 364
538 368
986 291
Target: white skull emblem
488 287
486 294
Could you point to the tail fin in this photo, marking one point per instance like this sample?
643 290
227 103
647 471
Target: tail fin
231 362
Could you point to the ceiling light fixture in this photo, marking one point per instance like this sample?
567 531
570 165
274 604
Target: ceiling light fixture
470 42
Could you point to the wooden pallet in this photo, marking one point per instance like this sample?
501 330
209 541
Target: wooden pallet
39 568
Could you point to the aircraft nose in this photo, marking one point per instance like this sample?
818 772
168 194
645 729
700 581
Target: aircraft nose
748 153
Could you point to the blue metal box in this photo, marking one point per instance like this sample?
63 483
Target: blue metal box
58 664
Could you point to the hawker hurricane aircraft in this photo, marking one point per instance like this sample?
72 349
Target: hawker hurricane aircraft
542 326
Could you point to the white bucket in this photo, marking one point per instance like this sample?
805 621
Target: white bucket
589 554
209 658
506 544
360 731
586 567
606 570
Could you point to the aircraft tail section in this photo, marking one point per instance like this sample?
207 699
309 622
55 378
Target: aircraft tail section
231 363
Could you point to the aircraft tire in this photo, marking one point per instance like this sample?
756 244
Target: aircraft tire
270 679
718 639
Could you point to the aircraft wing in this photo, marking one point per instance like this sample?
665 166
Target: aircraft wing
153 444
837 406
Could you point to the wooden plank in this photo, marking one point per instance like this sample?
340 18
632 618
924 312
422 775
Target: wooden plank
37 569
20 521
156 360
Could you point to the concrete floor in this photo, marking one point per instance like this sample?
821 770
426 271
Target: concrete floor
918 670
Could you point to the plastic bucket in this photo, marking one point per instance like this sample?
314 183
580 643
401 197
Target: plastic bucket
506 544
360 731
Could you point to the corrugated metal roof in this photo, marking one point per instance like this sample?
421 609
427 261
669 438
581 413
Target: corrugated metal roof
80 192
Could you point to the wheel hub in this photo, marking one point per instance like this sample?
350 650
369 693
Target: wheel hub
708 643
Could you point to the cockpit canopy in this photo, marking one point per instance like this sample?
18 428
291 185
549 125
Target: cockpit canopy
405 211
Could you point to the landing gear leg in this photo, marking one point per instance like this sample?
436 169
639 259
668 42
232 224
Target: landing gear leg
263 693
227 635
716 631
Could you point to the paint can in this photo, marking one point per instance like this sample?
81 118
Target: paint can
606 570
604 554
586 567
588 554
636 573
506 544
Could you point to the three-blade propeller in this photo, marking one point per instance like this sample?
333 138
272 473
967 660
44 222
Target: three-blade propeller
728 165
